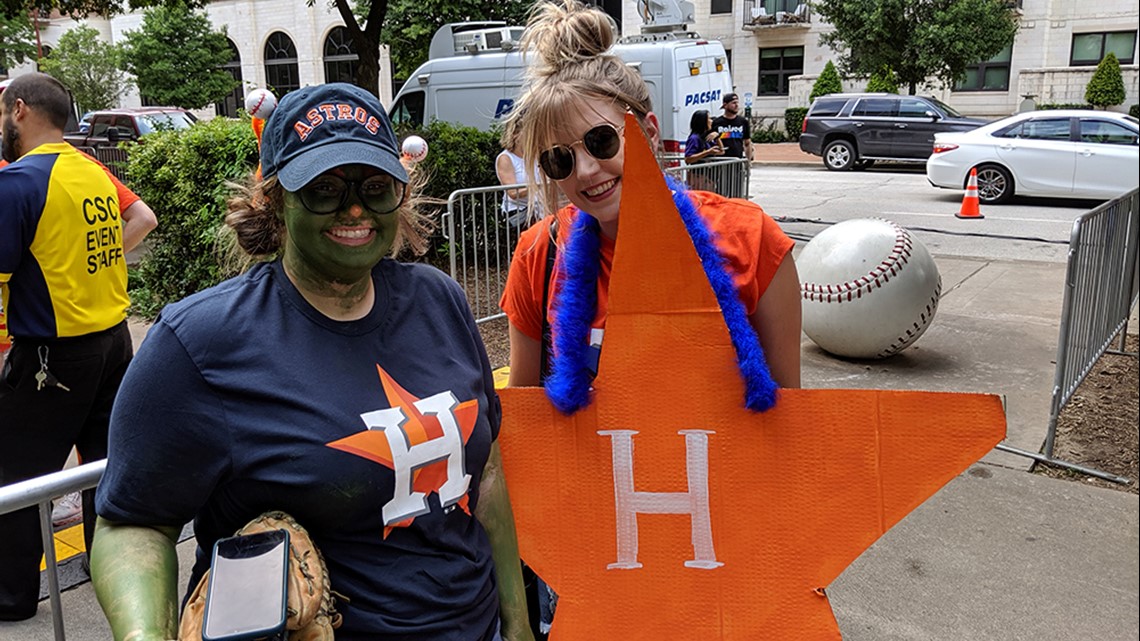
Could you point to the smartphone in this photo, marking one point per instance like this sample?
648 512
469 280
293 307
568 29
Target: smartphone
245 598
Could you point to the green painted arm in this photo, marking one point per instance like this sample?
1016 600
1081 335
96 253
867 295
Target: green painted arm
494 512
135 572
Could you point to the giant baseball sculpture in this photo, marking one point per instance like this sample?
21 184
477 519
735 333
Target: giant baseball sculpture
870 289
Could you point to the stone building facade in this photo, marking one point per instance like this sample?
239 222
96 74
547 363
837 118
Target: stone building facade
776 56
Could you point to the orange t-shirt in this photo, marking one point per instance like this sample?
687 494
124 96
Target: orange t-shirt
752 244
126 196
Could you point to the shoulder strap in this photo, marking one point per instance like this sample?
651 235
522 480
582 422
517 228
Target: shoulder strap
551 255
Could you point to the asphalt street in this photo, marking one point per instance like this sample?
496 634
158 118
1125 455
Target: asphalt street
1035 229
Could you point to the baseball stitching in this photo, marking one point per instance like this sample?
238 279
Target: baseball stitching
880 275
257 107
917 327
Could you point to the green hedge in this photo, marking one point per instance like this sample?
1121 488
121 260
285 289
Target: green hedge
1106 88
1046 106
768 133
182 175
1134 111
459 157
794 121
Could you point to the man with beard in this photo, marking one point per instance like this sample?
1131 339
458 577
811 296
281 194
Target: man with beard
62 260
735 130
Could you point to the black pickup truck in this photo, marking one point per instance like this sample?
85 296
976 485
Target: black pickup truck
110 127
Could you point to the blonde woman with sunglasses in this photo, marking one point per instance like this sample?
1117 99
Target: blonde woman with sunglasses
570 124
572 130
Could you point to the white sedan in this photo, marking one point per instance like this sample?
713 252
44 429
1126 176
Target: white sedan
1063 153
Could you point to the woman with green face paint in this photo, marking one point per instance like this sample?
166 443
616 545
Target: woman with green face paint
331 382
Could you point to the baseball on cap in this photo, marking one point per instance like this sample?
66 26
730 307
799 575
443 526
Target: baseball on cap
315 129
728 97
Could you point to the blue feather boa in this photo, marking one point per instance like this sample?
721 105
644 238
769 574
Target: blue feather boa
576 304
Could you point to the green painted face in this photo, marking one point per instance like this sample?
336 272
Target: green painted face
341 247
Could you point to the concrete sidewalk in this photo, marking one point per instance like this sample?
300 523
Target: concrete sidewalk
1000 553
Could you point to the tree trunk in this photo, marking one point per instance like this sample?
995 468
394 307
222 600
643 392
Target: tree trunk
367 41
368 71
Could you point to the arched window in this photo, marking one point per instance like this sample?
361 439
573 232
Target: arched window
281 73
228 107
341 60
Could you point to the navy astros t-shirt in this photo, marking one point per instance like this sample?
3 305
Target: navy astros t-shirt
372 433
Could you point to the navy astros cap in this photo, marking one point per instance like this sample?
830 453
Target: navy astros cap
315 129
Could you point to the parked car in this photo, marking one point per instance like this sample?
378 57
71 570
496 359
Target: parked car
114 125
85 122
1071 153
852 131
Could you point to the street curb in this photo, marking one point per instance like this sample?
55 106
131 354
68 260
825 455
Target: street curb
784 163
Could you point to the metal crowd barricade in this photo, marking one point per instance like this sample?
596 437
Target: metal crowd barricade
728 177
482 238
1102 283
40 491
113 157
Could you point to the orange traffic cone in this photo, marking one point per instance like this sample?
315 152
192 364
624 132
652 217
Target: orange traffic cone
970 201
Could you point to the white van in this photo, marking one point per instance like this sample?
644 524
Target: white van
472 84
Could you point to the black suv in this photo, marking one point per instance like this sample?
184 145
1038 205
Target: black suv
852 131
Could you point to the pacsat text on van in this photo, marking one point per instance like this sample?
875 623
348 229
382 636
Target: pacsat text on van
702 97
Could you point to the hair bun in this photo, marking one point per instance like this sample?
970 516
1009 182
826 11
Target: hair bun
567 33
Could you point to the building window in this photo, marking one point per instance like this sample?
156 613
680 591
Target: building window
1091 48
991 75
281 72
787 6
228 107
777 65
341 60
721 6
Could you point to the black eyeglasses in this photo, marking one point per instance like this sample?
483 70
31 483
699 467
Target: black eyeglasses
602 142
380 194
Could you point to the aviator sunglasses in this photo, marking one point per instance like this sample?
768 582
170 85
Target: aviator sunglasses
380 194
602 142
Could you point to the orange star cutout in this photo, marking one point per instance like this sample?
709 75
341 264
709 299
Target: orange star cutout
665 509
419 428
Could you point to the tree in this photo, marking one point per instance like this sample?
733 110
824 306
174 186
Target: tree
176 57
87 66
883 80
827 82
19 41
410 24
919 39
1106 88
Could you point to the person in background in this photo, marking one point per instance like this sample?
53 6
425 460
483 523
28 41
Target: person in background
138 220
703 142
62 260
331 382
734 129
511 170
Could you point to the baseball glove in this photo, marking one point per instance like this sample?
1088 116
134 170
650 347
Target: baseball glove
310 611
